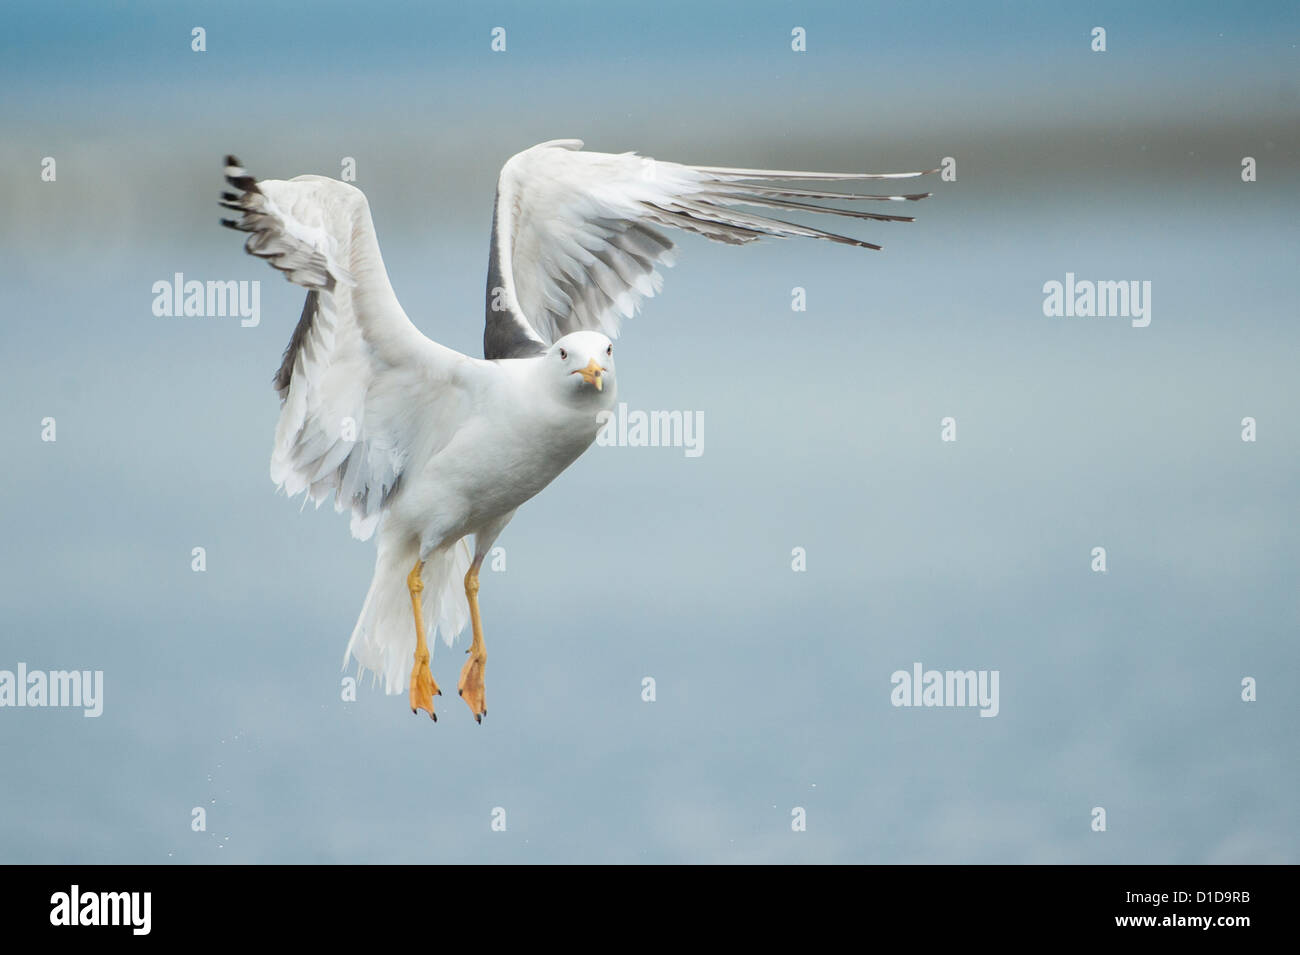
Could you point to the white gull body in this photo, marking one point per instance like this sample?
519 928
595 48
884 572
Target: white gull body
428 447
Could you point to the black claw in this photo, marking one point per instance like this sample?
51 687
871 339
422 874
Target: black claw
434 717
478 719
440 692
460 692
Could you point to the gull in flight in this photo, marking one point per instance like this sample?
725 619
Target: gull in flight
427 447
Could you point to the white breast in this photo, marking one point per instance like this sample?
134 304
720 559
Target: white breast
520 438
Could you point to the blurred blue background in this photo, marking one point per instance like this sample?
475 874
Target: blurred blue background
1122 690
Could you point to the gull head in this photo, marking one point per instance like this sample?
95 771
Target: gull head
583 363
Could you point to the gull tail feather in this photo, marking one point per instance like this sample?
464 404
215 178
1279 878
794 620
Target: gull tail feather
383 640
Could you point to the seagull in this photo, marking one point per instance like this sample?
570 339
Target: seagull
427 447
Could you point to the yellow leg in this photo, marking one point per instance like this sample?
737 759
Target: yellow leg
471 687
423 689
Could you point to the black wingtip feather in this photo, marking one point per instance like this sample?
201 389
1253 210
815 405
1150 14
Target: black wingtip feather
245 182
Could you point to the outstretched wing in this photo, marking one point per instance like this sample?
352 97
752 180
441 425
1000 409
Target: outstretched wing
361 389
574 243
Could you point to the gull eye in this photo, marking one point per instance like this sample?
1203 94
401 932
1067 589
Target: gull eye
609 349
563 354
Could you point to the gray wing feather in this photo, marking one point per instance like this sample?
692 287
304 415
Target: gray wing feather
574 245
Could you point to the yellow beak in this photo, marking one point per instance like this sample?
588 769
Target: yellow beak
591 375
